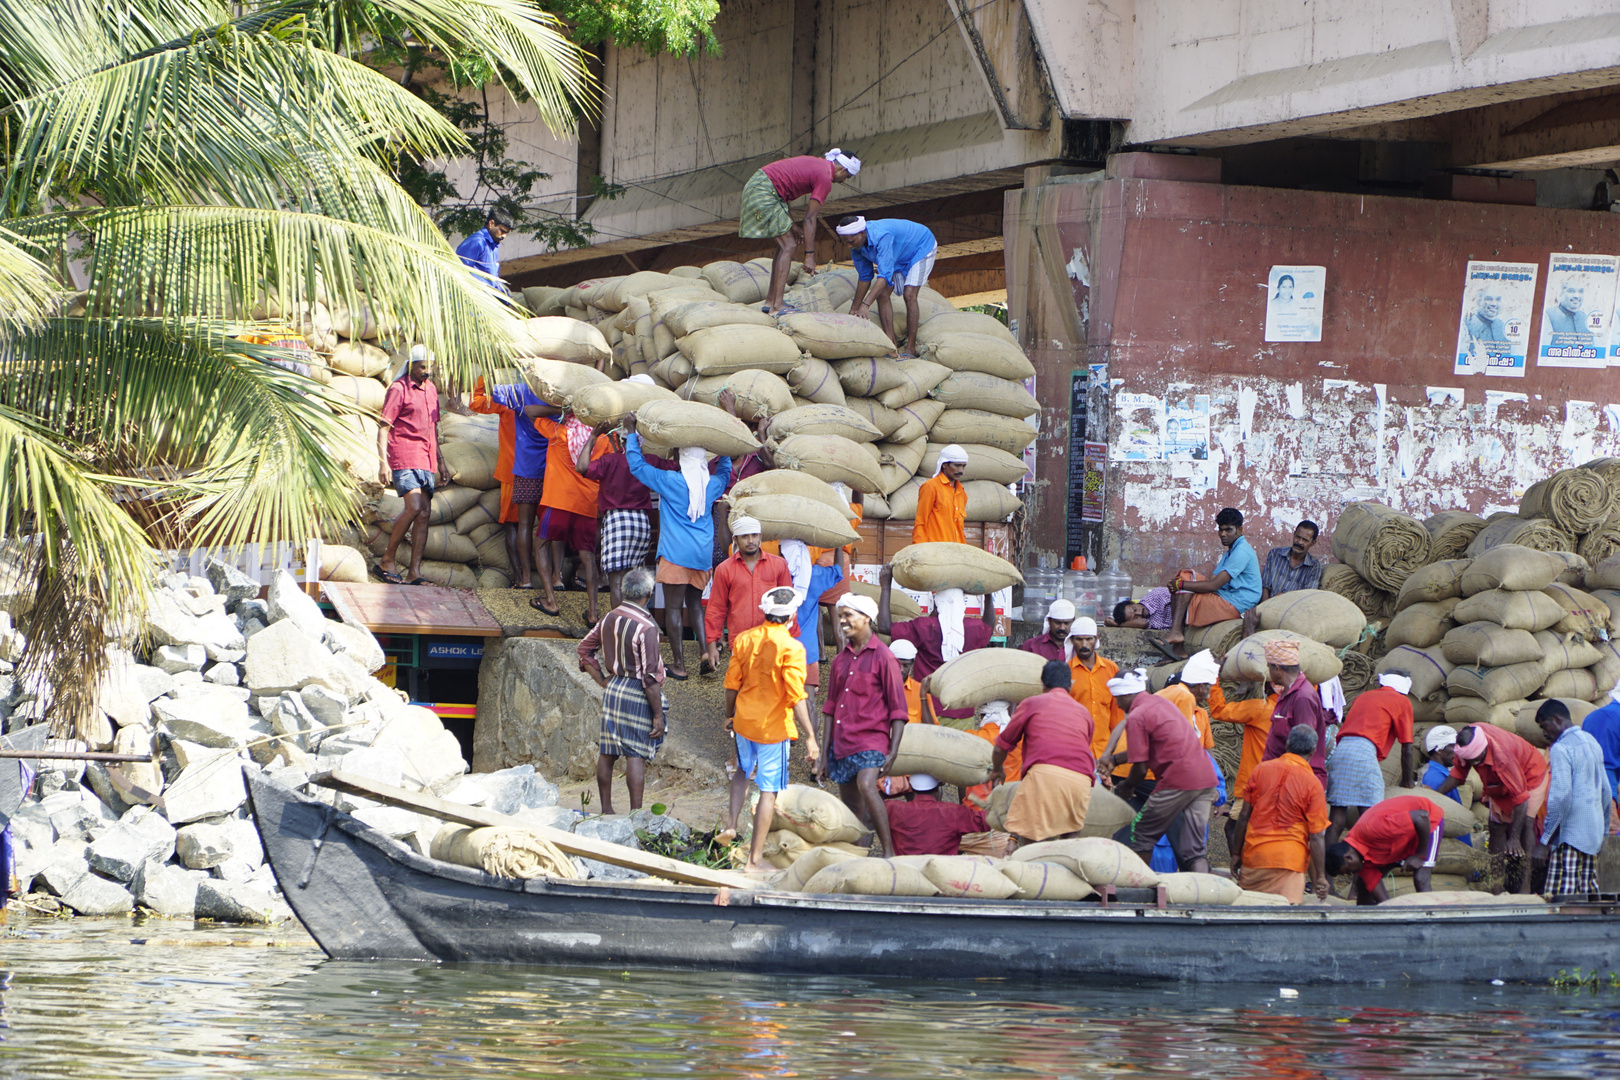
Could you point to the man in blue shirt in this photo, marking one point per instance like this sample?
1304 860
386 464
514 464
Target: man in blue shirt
901 255
1233 589
1604 726
478 251
1577 813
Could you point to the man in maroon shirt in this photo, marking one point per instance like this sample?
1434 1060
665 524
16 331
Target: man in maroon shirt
863 717
928 634
624 510
1161 738
1058 769
740 583
765 212
1052 644
1300 703
408 443
922 825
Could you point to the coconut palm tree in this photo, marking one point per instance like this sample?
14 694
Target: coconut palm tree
175 175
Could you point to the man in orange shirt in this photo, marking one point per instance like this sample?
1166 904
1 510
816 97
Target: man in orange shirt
1255 716
483 403
942 501
1516 780
906 653
764 697
1090 673
1191 694
568 506
740 582
1279 831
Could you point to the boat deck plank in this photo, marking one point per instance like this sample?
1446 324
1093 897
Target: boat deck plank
411 609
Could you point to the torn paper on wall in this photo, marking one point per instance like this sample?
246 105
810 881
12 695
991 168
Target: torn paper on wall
1141 427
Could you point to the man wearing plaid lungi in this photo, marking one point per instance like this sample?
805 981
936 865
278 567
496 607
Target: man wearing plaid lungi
1578 799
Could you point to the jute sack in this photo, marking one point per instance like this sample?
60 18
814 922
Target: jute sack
1577 500
1604 575
990 501
1341 579
1586 615
984 463
822 420
790 517
1247 662
641 283
492 552
673 371
560 338
1527 729
503 852
1001 800
985 675
1321 616
814 379
972 390
1459 898
1575 568
1565 650
796 484
758 394
1515 610
447 545
902 498
1607 670
1538 533
916 420
977 426
902 608
833 458
868 376
1420 624
674 424
1450 533
1384 545
887 421
448 504
473 429
871 877
482 532
366 393
1193 888
835 337
481 514
908 456
1473 710
947 565
935 327
1219 638
875 507
1484 644
1250 898
1428 669
966 875
819 816
919 377
723 350
784 848
813 862
1511 567
1459 819
1096 860
342 563
609 403
1511 682
471 464
979 352
1045 881
741 283
449 574
1437 581
1610 599
557 381
544 299
1456 857
359 359
684 315
1572 683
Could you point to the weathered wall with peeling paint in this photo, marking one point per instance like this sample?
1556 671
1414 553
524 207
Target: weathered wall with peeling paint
1163 282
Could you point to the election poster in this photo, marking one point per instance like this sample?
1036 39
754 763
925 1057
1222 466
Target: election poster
1577 311
1294 303
1493 335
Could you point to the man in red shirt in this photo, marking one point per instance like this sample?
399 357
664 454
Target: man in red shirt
922 825
1405 829
740 583
1160 738
765 213
1298 703
408 443
864 716
1054 644
1515 778
1378 719
1058 768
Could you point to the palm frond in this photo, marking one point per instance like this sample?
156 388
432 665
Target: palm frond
27 290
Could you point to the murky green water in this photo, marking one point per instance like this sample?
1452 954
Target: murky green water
80 999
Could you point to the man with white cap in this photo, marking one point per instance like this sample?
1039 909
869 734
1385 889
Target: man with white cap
1161 740
906 653
900 255
1058 769
1089 672
1515 780
864 715
942 501
941 636
740 583
1054 643
765 710
765 200
923 825
1378 719
1298 703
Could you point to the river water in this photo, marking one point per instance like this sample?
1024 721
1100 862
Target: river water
128 1000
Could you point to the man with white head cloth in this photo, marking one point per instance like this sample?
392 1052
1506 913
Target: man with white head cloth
624 505
765 200
899 254
942 501
940 637
740 583
1054 643
864 716
1378 719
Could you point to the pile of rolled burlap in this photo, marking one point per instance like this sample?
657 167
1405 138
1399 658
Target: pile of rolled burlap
1577 500
1382 544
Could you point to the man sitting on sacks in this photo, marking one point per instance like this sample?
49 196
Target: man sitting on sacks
1233 589
1515 787
940 637
1278 834
1404 830
863 717
1054 644
1378 719
922 825
1162 740
1055 791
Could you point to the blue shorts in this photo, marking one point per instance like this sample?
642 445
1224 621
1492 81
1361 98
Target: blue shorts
844 770
408 480
766 764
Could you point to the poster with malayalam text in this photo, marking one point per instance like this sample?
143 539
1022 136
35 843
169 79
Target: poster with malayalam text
1577 311
1493 334
1294 303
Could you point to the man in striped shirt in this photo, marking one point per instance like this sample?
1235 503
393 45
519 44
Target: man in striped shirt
1287 569
630 671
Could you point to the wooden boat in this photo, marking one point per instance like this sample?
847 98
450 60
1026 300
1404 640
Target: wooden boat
363 895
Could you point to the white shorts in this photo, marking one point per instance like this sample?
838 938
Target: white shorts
918 274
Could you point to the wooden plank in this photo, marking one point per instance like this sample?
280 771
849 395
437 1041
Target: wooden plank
583 846
411 609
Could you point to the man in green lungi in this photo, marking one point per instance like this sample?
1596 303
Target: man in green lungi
765 209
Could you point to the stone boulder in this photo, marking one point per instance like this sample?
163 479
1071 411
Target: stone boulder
169 890
96 895
203 845
216 719
287 600
129 689
231 583
141 836
612 829
174 659
173 624
326 706
224 901
355 642
135 781
206 789
223 674
283 657
515 789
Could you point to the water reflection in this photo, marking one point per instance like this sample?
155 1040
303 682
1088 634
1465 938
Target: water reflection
78 999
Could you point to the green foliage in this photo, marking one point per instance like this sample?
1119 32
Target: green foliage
699 848
681 27
1579 979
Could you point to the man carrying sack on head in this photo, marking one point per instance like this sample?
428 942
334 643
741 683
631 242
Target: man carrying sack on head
940 637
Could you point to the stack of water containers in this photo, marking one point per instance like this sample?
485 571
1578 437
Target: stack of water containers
1092 594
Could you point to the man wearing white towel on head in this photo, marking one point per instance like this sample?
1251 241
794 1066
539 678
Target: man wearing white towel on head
1054 644
899 254
1378 719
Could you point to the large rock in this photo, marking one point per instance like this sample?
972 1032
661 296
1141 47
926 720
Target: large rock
203 845
515 789
291 719
174 659
355 642
99 779
653 824
287 600
95 895
172 624
129 689
169 890
223 674
612 829
78 814
141 836
238 903
217 720
551 817
69 861
326 706
202 688
231 583
135 781
283 657
432 755
207 789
